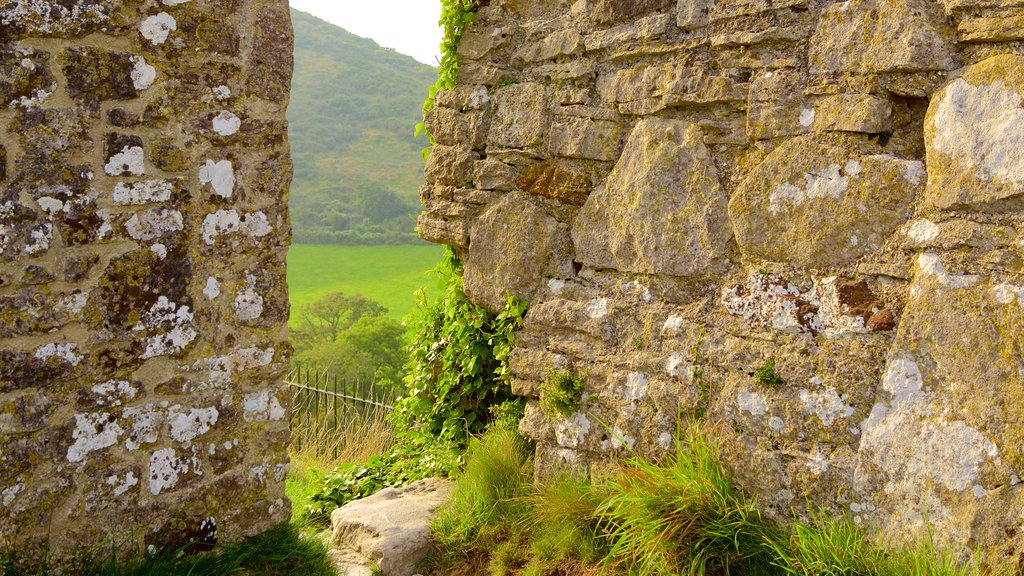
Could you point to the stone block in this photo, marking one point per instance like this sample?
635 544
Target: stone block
816 205
973 138
610 11
477 43
555 45
876 36
515 247
556 180
692 14
662 209
491 174
853 113
449 166
520 117
575 137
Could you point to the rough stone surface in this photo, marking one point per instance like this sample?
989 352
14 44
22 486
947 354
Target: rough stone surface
514 245
819 206
832 186
127 396
973 138
390 528
662 210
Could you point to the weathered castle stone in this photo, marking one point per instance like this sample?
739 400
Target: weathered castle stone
819 206
882 36
973 138
142 295
662 210
513 246
814 185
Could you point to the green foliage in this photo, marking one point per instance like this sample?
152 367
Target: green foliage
458 362
766 376
457 385
561 392
350 337
280 551
387 274
683 516
456 17
357 165
405 463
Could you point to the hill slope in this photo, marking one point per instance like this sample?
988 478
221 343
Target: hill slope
353 108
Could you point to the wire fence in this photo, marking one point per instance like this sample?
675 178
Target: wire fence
325 406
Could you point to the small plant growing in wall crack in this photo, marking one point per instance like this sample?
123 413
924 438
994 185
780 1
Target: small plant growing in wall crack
562 392
766 376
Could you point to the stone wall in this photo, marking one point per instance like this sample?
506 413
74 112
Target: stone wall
688 191
144 169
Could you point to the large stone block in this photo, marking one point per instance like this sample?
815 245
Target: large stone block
817 205
521 118
873 36
947 424
585 138
515 246
662 209
973 138
608 11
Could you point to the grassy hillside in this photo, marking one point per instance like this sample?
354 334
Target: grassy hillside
353 109
388 274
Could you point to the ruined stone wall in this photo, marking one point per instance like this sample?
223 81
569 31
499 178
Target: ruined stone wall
144 168
688 190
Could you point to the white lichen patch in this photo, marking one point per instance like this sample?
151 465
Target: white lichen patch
827 404
174 2
930 264
122 485
146 192
618 440
807 117
158 27
1008 294
73 304
635 388
39 239
752 402
129 161
65 352
212 288
160 250
673 324
903 380
154 223
223 367
174 324
36 99
226 123
679 366
115 392
913 171
261 406
922 231
817 462
220 223
572 432
93 432
979 126
664 441
221 92
597 308
143 75
829 182
187 426
556 286
9 494
164 468
220 176
776 424
50 17
833 319
248 303
145 425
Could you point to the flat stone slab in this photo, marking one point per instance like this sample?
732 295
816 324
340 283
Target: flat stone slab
390 529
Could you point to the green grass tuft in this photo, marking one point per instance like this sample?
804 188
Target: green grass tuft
682 516
281 551
561 392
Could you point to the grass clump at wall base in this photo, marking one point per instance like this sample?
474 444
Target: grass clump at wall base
683 516
281 551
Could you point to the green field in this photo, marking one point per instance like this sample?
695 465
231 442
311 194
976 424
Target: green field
388 274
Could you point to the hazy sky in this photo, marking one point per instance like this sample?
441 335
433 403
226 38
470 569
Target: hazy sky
408 26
